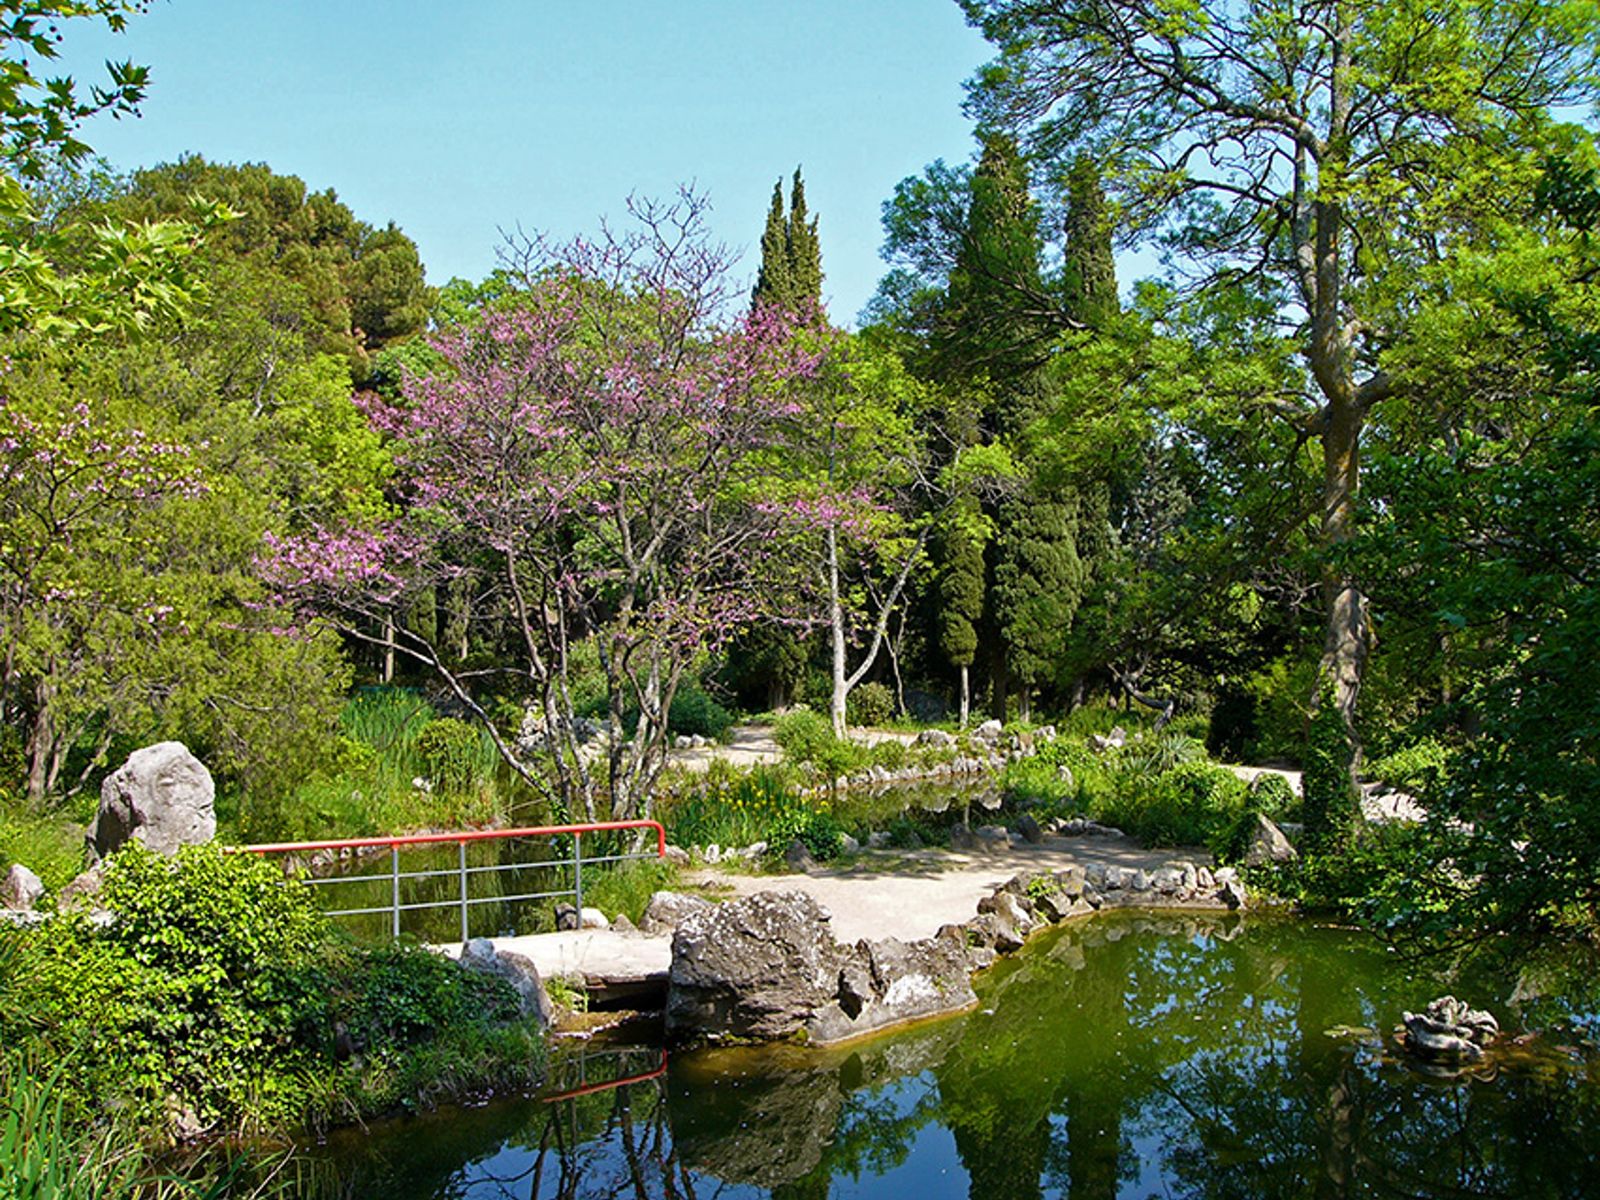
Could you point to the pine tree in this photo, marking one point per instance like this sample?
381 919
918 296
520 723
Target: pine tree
790 275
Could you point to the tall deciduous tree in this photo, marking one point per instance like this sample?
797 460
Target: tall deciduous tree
599 449
1324 147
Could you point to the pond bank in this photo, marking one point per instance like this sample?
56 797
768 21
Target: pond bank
1134 1054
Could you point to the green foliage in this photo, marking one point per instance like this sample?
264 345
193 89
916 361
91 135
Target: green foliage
1420 768
457 754
727 806
694 712
869 703
1037 781
1089 275
1156 754
1193 804
355 288
1332 806
48 845
626 887
44 1155
961 584
790 274
807 737
1279 694
390 739
891 754
219 991
813 825
1386 876
1272 794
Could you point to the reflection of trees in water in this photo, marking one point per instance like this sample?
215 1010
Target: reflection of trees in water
1256 1132
1130 1054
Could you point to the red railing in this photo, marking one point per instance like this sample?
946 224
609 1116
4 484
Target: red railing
590 1089
461 839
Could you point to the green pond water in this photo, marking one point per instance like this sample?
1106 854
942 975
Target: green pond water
1128 1056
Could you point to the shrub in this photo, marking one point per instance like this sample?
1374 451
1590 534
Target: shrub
869 704
1155 755
455 754
1192 804
807 737
816 827
1092 784
695 713
891 755
219 990
1419 768
1272 794
1034 781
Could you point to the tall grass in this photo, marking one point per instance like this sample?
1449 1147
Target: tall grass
731 808
398 767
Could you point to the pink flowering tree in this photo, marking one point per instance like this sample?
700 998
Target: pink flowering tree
78 598
595 455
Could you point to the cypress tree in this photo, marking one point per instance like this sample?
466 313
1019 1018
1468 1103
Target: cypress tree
1090 275
805 250
790 275
991 320
774 281
961 585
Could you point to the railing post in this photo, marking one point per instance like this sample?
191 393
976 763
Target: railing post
462 846
577 875
394 890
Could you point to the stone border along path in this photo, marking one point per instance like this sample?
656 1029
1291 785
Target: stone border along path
901 894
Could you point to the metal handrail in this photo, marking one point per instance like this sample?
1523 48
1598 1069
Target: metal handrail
461 838
590 1089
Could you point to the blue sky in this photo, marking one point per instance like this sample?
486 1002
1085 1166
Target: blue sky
457 120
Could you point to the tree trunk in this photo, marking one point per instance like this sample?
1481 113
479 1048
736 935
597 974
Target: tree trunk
966 695
41 744
1025 704
1348 644
388 650
841 686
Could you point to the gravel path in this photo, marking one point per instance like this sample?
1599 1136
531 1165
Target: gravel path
910 894
902 894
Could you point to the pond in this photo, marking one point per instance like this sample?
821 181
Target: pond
1129 1056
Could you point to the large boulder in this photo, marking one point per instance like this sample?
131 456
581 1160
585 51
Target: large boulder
162 796
989 731
480 956
667 910
767 968
887 982
21 889
755 969
1268 844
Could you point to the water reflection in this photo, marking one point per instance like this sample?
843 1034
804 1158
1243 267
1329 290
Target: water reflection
1129 1057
